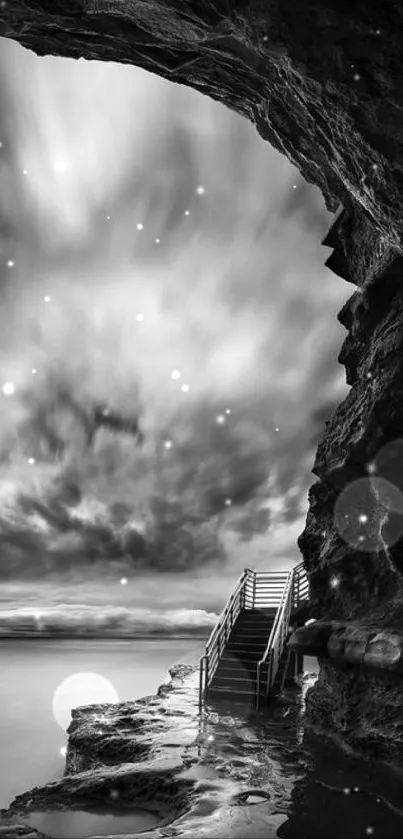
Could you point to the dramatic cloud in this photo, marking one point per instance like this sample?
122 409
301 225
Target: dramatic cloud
168 339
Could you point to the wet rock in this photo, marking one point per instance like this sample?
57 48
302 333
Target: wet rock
323 83
312 639
185 773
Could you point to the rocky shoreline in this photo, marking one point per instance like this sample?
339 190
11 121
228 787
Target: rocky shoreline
200 774
226 772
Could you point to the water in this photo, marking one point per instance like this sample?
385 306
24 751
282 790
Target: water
315 791
31 741
80 824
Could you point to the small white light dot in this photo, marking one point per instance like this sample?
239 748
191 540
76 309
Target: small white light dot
8 388
356 789
323 533
228 502
334 582
369 375
210 738
1 142
106 412
158 241
31 461
294 186
123 581
357 77
139 317
228 410
140 226
63 751
187 212
378 32
114 794
168 444
200 190
10 263
371 468
25 171
108 217
46 299
185 388
176 374
37 616
369 830
34 371
265 37
363 518
277 429
375 166
346 791
220 420
360 538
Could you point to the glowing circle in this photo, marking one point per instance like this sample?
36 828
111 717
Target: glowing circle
369 513
81 689
185 388
175 374
8 388
139 226
123 581
388 463
47 299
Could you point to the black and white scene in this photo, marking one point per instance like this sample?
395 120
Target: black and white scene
201 419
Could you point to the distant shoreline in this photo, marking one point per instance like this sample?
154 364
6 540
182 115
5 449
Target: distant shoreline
39 636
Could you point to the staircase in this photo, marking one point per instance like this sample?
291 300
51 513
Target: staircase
246 655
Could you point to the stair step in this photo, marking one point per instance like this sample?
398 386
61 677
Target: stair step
249 636
234 686
245 652
239 696
237 676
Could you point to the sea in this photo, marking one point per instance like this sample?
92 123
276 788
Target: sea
43 679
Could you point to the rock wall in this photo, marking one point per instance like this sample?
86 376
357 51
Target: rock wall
322 80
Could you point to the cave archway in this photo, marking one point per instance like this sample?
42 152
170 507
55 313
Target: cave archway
322 82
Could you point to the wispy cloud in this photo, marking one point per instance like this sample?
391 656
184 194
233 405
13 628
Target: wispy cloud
98 163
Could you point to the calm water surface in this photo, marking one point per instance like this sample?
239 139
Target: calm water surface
31 671
315 791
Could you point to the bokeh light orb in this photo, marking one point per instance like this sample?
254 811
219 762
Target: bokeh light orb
362 511
8 389
388 463
81 689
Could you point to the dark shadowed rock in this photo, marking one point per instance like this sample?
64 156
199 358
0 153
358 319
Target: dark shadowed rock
322 80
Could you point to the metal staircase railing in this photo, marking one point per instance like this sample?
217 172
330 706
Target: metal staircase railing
277 640
283 590
301 586
215 646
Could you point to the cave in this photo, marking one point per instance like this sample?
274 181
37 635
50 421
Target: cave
322 81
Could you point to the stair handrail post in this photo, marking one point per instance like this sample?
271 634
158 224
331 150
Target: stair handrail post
276 636
254 589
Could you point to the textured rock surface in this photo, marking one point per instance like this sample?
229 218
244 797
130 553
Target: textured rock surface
158 754
322 80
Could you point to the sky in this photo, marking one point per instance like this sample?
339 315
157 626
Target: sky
168 349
